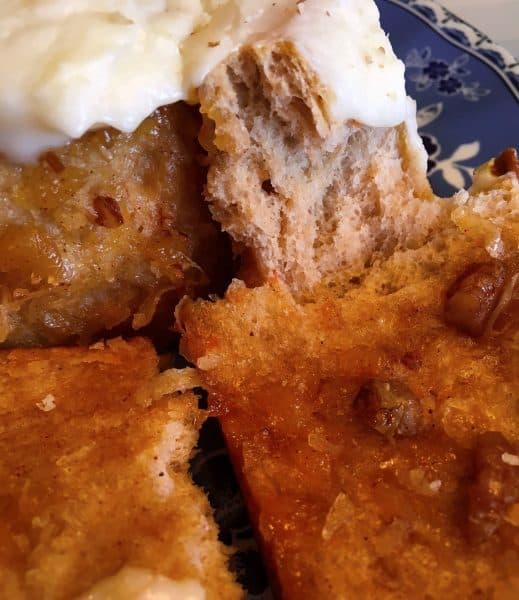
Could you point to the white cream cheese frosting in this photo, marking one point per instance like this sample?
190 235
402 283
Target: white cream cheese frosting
73 65
344 44
132 583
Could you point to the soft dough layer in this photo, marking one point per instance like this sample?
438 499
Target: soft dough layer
301 192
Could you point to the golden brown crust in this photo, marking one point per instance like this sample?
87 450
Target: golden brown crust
375 435
94 476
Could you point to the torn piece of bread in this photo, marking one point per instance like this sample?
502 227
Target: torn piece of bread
314 159
95 491
376 435
301 193
101 232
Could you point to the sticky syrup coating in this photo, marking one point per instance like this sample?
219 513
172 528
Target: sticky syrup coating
103 232
375 429
95 447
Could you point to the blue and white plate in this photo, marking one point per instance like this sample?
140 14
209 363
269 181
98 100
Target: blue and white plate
466 88
467 91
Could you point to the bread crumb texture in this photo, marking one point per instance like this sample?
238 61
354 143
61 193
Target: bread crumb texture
305 194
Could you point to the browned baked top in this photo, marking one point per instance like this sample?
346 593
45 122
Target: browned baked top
376 435
94 450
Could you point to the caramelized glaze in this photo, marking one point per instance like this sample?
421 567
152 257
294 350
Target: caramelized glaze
376 431
99 231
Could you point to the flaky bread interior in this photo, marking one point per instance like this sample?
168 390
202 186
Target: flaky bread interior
304 194
95 449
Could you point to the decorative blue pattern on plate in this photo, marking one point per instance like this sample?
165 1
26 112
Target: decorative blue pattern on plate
466 88
467 92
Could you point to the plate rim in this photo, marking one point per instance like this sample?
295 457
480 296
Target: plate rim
447 24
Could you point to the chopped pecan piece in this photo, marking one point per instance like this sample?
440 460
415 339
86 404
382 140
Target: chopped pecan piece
506 162
53 161
107 211
473 297
390 408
